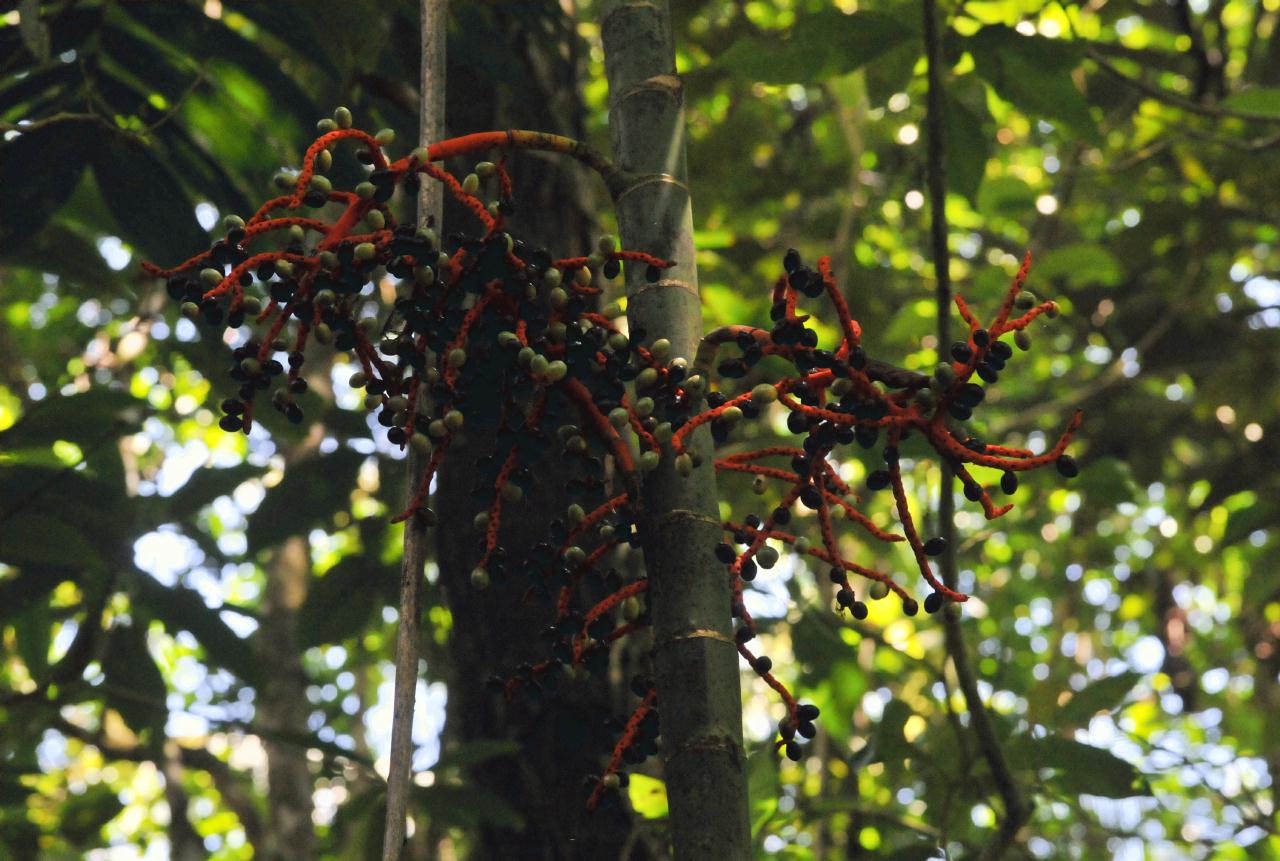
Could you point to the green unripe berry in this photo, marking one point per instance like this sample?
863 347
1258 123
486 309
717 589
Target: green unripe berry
613 310
663 433
385 137
358 380
372 402
1023 339
618 342
509 340
649 461
944 375
284 268
251 366
695 386
660 349
453 420
511 492
763 394
759 485
375 219
479 578
486 169
366 190
457 357
582 277
325 126
575 514
767 556
1025 299
538 366
877 590
232 222
607 244
471 183
436 429
420 154
552 277
525 357
556 332
731 415
802 545
619 418
251 306
646 379
481 521
323 162
420 444
559 298
320 183
684 464
556 371
575 556
323 333
211 277
342 116
630 608
611 781
328 260
366 251
190 310
644 407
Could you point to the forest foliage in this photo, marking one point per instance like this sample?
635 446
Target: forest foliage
1125 627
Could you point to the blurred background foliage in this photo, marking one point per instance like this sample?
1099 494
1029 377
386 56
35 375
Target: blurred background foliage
1125 625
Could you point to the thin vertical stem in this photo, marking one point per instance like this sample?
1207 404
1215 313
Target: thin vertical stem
1017 807
434 18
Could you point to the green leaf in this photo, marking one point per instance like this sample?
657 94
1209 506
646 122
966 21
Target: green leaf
1256 100
28 537
891 745
1033 73
1102 695
310 492
469 753
967 146
1081 264
27 589
136 688
33 631
1006 196
84 815
63 251
338 605
88 419
1079 768
181 609
821 44
26 205
465 807
203 487
146 199
648 796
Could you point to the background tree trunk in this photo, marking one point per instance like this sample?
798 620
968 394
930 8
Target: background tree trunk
564 738
696 660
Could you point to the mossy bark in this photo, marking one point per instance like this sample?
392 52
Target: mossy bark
695 659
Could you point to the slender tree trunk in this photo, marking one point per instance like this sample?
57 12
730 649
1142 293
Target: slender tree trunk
695 657
433 27
282 706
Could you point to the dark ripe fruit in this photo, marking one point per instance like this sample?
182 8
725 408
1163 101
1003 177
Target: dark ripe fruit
910 607
232 407
811 498
231 423
961 352
845 598
1067 466
859 610
972 491
935 546
891 454
725 553
807 712
1009 482
857 358
791 261
806 729
793 751
652 274
836 575
762 664
959 411
987 372
748 571
981 338
878 480
933 603
1002 350
744 635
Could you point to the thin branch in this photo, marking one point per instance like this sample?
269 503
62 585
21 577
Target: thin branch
434 21
1017 807
1175 100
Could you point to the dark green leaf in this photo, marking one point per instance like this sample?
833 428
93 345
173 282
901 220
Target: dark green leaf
63 251
146 199
204 486
339 604
25 205
1101 695
84 815
821 44
968 146
310 493
1080 264
28 588
1033 73
1257 100
465 807
90 419
27 537
1006 196
136 688
182 609
1079 768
